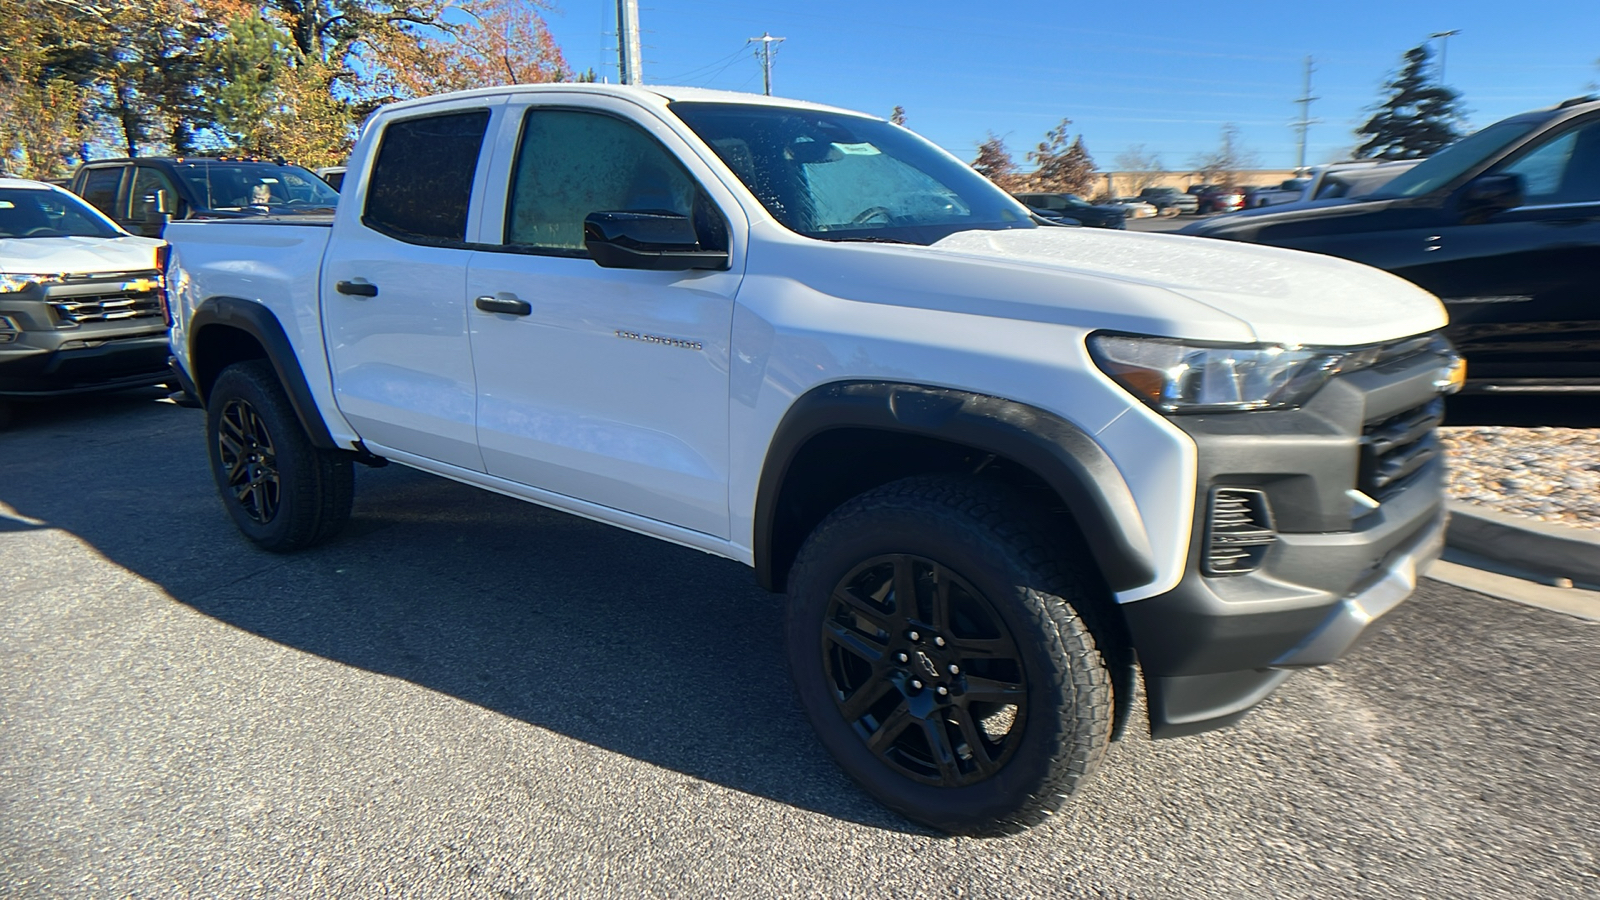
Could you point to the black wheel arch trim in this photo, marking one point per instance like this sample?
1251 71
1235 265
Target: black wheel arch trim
259 322
1057 451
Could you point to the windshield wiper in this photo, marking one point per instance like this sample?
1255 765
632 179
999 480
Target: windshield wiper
871 239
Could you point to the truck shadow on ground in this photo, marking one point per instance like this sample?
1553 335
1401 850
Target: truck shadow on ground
660 653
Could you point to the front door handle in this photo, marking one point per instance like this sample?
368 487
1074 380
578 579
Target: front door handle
357 288
507 305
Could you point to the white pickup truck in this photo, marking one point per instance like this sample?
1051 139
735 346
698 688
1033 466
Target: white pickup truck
1002 469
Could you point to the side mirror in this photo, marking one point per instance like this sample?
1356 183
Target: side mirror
660 241
1487 195
156 216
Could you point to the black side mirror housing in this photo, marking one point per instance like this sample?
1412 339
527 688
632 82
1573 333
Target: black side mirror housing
1487 195
655 240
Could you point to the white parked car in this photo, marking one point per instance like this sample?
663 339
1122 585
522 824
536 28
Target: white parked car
1134 207
80 300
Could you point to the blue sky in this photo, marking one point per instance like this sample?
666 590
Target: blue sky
1163 74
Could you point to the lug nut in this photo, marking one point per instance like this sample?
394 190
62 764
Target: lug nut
955 669
943 690
902 657
916 684
938 641
914 636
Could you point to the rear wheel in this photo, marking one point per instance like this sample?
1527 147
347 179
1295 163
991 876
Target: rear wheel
283 493
936 642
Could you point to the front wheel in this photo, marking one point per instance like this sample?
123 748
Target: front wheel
282 492
937 642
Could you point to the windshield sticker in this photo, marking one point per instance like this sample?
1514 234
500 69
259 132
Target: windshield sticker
858 149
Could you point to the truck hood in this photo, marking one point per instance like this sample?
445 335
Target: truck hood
1283 296
77 255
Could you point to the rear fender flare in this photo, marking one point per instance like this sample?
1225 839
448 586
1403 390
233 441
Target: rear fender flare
259 322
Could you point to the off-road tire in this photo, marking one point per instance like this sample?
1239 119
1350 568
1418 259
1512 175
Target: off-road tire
1005 549
315 488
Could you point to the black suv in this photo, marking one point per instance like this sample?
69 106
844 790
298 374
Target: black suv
1070 206
1503 225
140 194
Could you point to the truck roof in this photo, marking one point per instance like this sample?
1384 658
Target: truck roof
650 95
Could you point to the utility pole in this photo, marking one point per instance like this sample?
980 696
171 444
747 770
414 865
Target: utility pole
1444 48
629 64
765 55
1304 124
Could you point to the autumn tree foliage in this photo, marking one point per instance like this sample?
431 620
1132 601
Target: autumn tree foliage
1062 166
1419 118
274 77
994 162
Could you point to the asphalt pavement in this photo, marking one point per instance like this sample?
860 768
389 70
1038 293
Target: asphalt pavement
468 696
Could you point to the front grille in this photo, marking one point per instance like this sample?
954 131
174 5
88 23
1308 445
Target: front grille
1398 447
108 297
1240 531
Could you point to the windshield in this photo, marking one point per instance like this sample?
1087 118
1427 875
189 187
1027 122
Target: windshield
841 177
39 213
1453 161
256 186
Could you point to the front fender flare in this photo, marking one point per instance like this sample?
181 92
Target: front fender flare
1060 453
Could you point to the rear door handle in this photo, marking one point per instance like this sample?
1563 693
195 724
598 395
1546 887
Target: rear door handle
357 288
508 305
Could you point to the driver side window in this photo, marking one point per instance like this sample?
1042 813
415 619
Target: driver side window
571 163
1563 169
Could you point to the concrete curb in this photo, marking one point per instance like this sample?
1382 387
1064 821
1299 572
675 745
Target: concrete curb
1557 550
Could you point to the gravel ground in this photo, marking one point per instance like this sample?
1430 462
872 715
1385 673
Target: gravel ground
1548 474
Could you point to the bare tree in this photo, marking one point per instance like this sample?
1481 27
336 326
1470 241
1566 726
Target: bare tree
1140 168
1223 165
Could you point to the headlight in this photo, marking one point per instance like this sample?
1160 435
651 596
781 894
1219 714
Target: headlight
1178 377
15 283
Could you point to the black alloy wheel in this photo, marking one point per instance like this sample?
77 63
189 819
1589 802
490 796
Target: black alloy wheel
924 670
283 492
245 448
940 643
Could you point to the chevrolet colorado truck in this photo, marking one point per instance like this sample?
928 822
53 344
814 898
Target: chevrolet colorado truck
1001 470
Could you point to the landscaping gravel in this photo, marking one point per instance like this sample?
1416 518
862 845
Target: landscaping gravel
1547 474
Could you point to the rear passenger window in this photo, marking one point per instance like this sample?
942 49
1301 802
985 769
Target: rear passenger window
421 183
100 188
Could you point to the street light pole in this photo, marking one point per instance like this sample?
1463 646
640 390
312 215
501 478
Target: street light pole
1444 48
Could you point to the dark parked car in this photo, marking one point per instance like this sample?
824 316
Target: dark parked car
1503 225
139 194
1166 199
1069 206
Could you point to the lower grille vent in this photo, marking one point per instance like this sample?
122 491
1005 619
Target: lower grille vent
1239 531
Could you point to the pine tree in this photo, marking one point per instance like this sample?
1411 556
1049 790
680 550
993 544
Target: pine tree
994 162
898 116
1419 118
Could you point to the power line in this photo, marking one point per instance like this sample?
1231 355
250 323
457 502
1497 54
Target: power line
764 53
